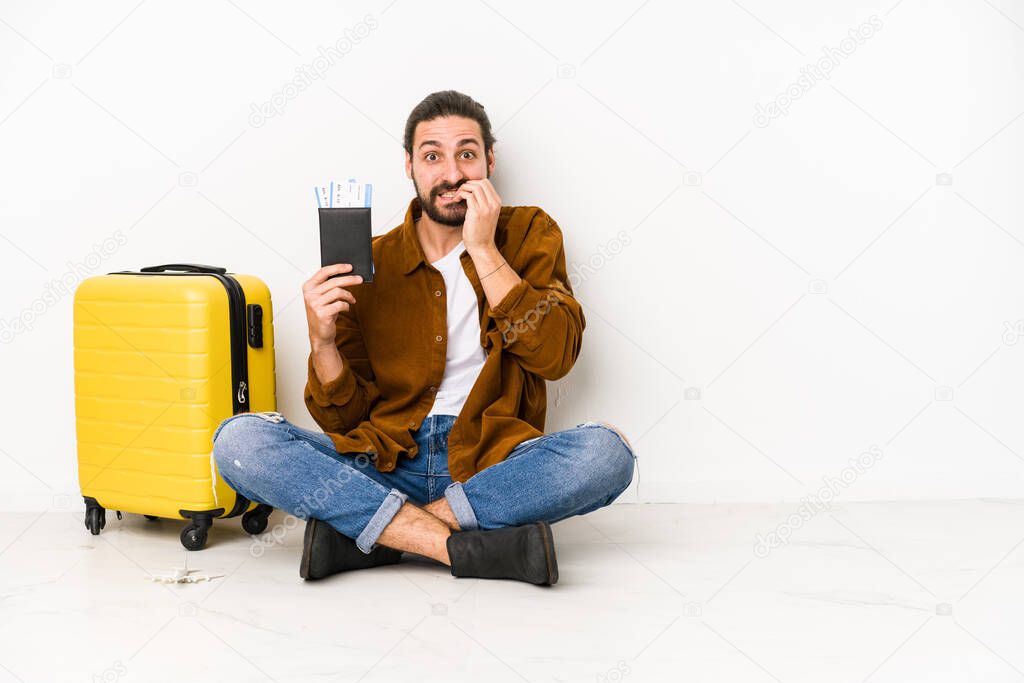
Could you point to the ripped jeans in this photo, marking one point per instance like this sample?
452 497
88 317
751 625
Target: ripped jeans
548 478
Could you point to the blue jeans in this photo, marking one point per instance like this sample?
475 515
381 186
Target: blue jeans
548 478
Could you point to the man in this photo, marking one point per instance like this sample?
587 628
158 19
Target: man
429 384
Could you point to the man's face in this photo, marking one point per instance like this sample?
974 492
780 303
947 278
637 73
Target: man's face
446 152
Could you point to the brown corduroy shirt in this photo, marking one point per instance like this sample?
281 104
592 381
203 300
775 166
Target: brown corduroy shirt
393 346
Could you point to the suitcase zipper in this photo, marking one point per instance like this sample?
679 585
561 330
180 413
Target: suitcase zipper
239 363
239 352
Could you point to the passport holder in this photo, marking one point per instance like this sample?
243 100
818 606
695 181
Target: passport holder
345 237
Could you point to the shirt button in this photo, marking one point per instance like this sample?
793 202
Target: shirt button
433 388
412 424
437 338
437 292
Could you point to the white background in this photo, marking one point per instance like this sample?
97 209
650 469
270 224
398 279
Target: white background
790 295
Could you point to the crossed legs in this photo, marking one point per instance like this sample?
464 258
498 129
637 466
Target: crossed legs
556 476
420 530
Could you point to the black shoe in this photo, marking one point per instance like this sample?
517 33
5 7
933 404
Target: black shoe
524 553
326 551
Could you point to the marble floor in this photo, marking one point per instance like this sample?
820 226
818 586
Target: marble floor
918 591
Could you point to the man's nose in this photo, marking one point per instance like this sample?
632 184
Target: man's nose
452 174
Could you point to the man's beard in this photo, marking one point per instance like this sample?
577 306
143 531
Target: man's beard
452 214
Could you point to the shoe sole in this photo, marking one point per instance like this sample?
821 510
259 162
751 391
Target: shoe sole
549 552
307 543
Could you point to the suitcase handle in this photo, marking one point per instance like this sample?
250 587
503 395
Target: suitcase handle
188 267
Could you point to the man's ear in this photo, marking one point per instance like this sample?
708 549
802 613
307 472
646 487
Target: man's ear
490 162
408 165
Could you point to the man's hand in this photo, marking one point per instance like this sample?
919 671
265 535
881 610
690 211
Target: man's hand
325 299
482 208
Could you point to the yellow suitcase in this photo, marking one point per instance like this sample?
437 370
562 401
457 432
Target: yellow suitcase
162 356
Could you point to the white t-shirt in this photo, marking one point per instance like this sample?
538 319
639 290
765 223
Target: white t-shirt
464 356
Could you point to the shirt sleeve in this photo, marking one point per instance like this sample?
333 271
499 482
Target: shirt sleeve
342 403
540 321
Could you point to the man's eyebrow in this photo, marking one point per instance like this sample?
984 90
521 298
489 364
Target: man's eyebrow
463 141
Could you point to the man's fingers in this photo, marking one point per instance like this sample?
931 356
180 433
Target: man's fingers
336 307
481 191
492 194
480 184
332 295
320 276
343 281
472 201
335 268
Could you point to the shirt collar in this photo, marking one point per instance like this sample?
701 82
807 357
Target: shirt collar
412 250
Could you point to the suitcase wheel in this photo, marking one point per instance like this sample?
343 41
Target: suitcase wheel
95 519
193 537
255 521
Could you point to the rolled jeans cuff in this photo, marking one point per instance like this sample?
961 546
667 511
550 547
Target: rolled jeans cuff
375 527
460 506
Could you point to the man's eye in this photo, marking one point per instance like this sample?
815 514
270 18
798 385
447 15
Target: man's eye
429 155
471 155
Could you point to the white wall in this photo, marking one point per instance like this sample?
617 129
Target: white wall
778 295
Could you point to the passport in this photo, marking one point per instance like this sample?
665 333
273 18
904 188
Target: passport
345 237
